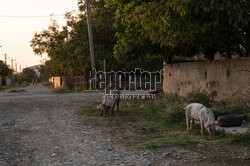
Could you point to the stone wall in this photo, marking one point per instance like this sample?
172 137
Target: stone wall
222 78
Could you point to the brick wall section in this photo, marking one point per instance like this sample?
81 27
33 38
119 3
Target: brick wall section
222 78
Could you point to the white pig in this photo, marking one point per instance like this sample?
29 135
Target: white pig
109 102
197 111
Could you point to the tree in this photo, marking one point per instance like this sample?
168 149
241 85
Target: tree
186 27
5 71
68 48
28 74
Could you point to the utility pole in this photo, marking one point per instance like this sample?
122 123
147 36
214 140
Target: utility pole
12 66
91 45
20 68
5 58
16 67
12 63
4 83
104 66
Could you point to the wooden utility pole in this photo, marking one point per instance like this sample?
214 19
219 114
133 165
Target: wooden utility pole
104 65
20 69
16 67
5 59
91 45
12 65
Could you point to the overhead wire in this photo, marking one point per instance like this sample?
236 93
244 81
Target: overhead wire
41 16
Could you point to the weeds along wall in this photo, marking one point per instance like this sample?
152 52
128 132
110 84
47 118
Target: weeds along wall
222 79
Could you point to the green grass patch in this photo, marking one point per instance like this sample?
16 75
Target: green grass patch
160 123
16 90
3 87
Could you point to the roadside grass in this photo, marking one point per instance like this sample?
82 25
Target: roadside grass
68 90
3 87
62 90
159 123
16 90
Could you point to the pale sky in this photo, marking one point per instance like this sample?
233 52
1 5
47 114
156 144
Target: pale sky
16 33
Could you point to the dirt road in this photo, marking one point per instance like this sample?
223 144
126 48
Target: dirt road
41 127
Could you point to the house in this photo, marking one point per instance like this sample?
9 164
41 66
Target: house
36 69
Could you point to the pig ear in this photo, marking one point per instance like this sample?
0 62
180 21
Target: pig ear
207 125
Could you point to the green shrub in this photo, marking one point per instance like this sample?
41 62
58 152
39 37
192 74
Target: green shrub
173 108
232 107
199 97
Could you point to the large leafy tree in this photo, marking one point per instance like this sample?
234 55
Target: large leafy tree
143 33
186 27
68 48
5 70
28 75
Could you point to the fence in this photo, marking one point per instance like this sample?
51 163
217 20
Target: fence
72 83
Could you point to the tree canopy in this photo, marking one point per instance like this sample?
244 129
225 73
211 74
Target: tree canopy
144 33
186 27
28 75
5 70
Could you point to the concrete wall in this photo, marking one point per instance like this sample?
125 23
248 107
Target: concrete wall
8 82
57 82
51 80
222 78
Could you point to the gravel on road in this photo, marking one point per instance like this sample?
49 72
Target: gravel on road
41 127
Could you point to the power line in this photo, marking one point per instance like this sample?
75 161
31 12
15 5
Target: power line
44 16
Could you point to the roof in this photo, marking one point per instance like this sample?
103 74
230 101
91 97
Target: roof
35 67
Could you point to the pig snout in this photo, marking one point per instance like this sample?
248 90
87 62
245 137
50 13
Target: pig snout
211 130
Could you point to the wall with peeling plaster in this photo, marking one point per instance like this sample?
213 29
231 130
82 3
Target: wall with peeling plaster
222 78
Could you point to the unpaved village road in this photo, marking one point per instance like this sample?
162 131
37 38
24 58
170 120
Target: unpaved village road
41 127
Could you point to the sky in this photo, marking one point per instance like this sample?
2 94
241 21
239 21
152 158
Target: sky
17 32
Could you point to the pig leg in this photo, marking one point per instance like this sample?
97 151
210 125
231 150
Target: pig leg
188 125
202 128
117 106
101 114
112 110
188 122
191 124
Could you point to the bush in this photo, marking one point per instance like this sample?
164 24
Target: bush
199 97
174 108
232 107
